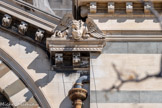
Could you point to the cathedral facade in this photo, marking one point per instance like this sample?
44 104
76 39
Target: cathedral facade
80 54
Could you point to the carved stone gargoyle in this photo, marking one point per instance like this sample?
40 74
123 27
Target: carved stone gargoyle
77 29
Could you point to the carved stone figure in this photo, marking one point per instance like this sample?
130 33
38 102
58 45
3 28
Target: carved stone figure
129 7
76 58
6 20
39 35
22 28
58 58
93 29
93 7
77 29
111 7
84 62
147 6
59 34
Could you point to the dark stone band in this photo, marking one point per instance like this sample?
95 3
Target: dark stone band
133 48
126 97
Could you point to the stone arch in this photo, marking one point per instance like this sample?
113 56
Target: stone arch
17 86
14 89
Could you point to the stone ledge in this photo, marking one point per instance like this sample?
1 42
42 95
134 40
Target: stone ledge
72 45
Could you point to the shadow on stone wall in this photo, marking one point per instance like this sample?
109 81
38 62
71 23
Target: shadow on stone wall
40 64
66 103
124 19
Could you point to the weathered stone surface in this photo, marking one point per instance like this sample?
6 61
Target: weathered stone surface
142 47
129 7
127 97
14 88
111 7
4 80
101 67
132 48
31 103
129 57
126 105
60 8
127 24
21 97
103 72
147 6
116 47
55 86
3 70
93 7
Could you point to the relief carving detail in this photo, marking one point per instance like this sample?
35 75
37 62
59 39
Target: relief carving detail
23 27
39 35
77 29
6 20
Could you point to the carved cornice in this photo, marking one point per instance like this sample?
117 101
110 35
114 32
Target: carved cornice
18 20
55 49
90 45
26 21
112 8
29 15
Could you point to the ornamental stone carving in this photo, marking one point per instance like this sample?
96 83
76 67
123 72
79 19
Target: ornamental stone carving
77 29
58 58
147 6
111 7
39 35
23 27
76 36
6 20
129 7
93 7
76 58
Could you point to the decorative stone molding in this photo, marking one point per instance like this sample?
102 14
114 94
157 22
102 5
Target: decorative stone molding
129 7
6 20
93 7
147 6
18 76
75 49
69 35
111 7
77 29
133 7
57 45
76 37
23 27
39 35
33 16
58 58
76 59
